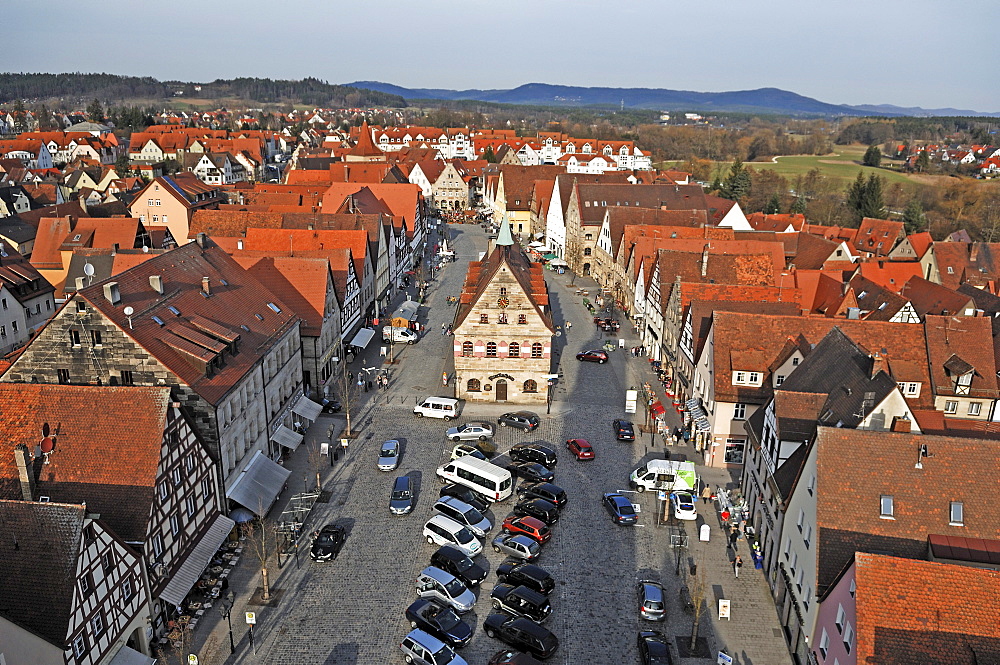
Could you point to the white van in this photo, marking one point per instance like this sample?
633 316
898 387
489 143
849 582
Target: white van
667 475
399 335
493 482
442 530
437 407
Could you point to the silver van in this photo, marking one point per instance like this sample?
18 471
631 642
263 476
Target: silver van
464 514
425 649
435 583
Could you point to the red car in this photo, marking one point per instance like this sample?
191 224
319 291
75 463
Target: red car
529 526
593 356
581 448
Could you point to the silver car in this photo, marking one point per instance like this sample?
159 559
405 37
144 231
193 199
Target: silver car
651 605
388 456
470 432
464 514
517 546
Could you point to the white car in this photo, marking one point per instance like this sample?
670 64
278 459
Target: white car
470 432
388 456
441 530
684 505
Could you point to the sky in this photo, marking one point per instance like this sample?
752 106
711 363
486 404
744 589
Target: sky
902 52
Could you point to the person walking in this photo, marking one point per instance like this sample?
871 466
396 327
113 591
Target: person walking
734 535
444 326
737 564
706 494
569 324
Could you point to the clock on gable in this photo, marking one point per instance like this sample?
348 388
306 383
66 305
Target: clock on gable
503 301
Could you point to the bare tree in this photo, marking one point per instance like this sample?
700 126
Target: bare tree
348 391
316 461
696 587
261 540
179 648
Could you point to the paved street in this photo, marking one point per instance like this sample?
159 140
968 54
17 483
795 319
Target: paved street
351 610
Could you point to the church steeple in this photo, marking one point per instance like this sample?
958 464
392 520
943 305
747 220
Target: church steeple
504 236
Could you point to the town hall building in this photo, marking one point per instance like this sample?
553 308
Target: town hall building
503 328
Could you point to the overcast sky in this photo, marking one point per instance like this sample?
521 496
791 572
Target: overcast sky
929 53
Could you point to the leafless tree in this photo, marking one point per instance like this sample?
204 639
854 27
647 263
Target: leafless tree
316 461
261 540
696 587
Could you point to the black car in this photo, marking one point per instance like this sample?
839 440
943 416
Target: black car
541 509
522 420
520 601
453 560
623 430
465 494
521 633
512 657
534 452
594 356
526 574
401 499
439 621
654 649
548 491
327 542
332 406
531 471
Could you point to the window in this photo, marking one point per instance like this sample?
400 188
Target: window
854 586
811 487
127 379
175 473
587 251
788 546
502 317
127 590
79 646
74 337
824 643
754 377
975 408
107 561
13 326
484 318
886 506
163 490
175 524
3 331
473 386
522 319
795 361
63 375
951 271
86 586
205 488
189 506
536 350
739 412
157 545
95 337
530 386
491 349
793 564
807 535
779 379
81 306
514 350
97 624
801 520
951 406
467 349
848 638
503 290
957 514
798 578
735 449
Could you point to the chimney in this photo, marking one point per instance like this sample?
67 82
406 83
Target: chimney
79 283
111 293
900 424
704 261
974 252
239 243
206 286
156 281
25 471
202 240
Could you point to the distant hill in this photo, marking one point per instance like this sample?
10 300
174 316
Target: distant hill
113 88
763 100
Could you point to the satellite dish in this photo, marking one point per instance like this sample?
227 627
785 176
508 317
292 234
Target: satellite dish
145 249
128 311
88 270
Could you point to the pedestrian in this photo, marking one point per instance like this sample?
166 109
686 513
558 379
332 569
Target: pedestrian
444 326
569 324
737 564
734 535
350 377
706 494
361 383
449 330
368 386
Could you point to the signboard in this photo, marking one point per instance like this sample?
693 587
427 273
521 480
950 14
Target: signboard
550 376
661 495
324 448
251 618
704 532
724 613
724 659
343 444
383 351
631 399
192 659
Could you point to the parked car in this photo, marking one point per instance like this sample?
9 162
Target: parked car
327 542
651 603
464 514
517 546
520 601
623 430
388 456
526 574
425 649
512 657
619 508
440 621
548 491
475 431
401 499
544 510
441 530
529 526
521 633
435 583
522 420
654 648
684 505
453 560
593 356
463 449
531 472
332 406
581 448
534 452
465 494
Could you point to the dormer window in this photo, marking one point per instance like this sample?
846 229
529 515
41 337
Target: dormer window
744 378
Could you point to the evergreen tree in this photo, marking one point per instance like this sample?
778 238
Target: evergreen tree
856 194
923 161
95 112
122 166
489 155
798 206
873 202
773 206
873 156
913 217
737 183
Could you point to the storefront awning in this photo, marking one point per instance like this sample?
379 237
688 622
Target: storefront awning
692 404
129 656
259 484
656 408
549 256
307 408
363 337
286 437
197 561
702 425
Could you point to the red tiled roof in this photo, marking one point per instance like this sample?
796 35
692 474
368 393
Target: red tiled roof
891 275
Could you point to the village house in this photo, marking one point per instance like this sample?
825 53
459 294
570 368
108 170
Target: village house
171 200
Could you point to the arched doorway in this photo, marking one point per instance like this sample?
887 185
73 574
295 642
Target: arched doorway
500 390
586 268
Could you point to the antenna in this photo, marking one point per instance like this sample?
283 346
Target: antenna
128 312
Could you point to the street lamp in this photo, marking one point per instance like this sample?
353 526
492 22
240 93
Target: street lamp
226 610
